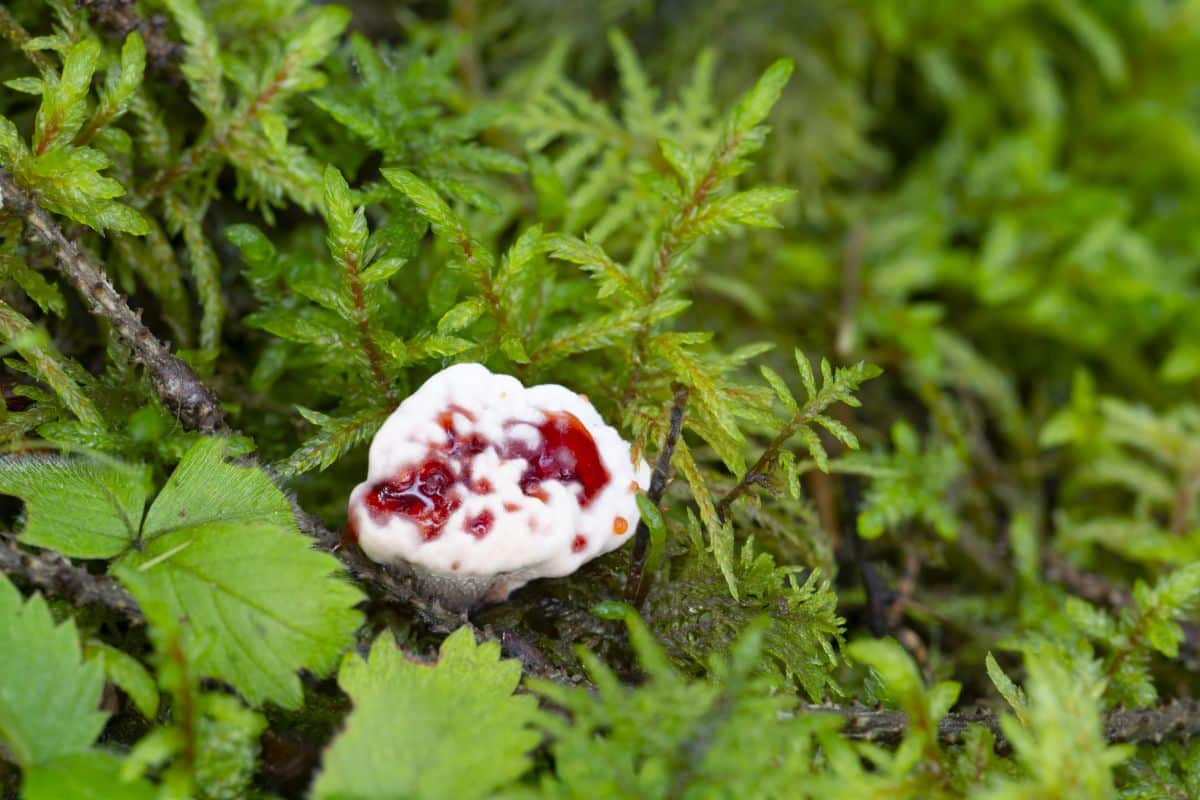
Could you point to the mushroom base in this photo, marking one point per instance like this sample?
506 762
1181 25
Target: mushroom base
461 593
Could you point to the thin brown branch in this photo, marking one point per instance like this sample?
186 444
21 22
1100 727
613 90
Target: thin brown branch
1177 720
637 584
761 469
1188 489
466 18
200 152
363 322
55 576
852 256
122 18
668 248
12 30
178 386
1099 590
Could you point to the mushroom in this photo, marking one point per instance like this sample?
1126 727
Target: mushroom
478 485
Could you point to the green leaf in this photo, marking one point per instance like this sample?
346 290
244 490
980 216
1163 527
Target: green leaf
347 224
223 560
758 102
205 488
445 222
94 775
81 507
1011 693
202 59
780 388
382 270
49 697
806 374
656 526
128 674
48 365
64 105
453 729
462 315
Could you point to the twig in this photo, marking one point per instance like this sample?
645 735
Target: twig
121 17
760 471
637 584
879 596
55 576
178 386
1097 589
852 258
1178 719
12 30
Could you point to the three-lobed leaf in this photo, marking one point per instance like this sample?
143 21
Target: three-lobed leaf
222 559
81 507
453 729
218 555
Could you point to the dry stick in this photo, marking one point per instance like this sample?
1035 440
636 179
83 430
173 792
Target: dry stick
178 386
1178 719
12 30
1099 590
637 585
55 576
122 17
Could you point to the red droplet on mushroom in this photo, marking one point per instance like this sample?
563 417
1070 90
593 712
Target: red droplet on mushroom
481 524
577 544
430 493
567 453
427 497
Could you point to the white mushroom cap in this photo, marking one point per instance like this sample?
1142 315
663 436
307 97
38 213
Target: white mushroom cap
479 485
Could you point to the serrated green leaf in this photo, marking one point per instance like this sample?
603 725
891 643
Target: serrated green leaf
407 734
205 488
81 507
223 560
245 595
49 697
